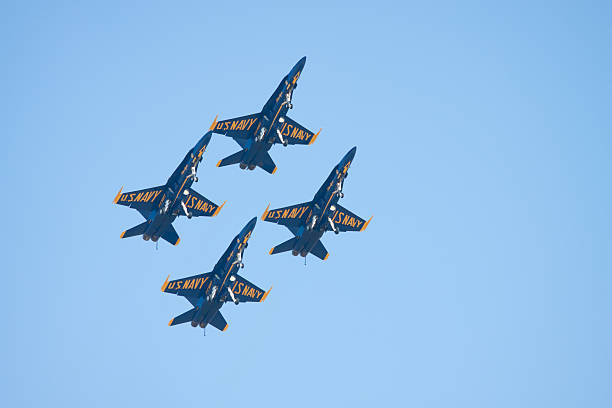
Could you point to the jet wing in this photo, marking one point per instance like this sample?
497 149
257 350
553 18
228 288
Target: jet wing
242 127
294 215
345 220
189 287
142 200
294 133
200 206
245 291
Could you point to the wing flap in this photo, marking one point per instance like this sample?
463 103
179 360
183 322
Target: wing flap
200 206
242 127
345 220
293 215
142 200
245 291
189 287
294 133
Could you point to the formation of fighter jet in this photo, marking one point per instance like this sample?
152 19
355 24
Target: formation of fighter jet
257 133
209 291
161 205
309 221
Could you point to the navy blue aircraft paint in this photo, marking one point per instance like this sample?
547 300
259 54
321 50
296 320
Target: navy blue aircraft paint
309 221
258 132
161 205
209 291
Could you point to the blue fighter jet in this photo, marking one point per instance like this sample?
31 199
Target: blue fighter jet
309 221
161 205
258 132
209 291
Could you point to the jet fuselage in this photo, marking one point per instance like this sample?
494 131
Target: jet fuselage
272 118
177 187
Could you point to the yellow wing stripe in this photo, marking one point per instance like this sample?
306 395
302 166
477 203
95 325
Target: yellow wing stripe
165 285
265 214
177 242
170 322
272 250
314 137
212 127
219 162
366 224
117 196
326 256
219 208
225 328
266 294
122 234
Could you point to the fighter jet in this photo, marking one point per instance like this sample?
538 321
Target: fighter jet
161 205
258 132
209 291
308 221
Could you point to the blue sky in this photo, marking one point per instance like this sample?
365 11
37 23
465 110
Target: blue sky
483 135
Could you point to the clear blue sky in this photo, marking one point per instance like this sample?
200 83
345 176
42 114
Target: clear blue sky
484 145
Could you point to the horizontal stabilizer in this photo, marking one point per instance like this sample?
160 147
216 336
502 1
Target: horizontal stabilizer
137 230
284 247
232 159
319 251
183 318
171 236
219 322
266 163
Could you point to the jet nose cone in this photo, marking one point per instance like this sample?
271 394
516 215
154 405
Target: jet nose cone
351 154
298 67
206 138
251 224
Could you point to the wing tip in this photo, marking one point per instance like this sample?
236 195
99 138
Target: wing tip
178 241
314 137
225 328
366 224
170 322
271 251
165 285
219 208
212 126
265 214
122 234
118 195
274 171
219 163
326 256
266 294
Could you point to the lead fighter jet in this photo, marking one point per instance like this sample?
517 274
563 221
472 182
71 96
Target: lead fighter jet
208 292
161 205
309 221
258 132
